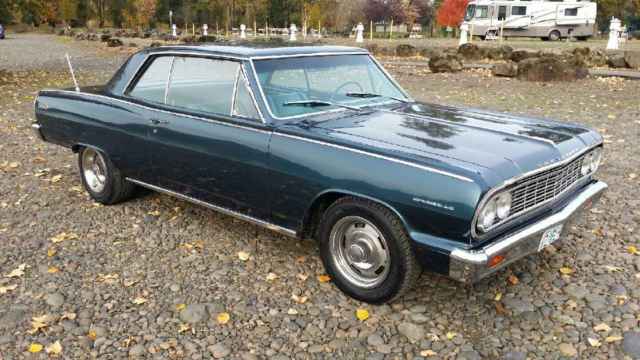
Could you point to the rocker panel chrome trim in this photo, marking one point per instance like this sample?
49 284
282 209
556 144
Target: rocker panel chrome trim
237 215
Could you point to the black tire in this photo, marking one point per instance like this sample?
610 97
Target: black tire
555 35
544 38
583 38
404 269
116 189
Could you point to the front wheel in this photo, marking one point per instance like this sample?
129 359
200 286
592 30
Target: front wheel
366 251
554 35
101 179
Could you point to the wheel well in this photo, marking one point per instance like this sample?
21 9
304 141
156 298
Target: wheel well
76 148
314 214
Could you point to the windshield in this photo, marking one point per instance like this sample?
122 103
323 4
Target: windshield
471 9
307 85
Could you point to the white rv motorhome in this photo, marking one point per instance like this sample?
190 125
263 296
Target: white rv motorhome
548 20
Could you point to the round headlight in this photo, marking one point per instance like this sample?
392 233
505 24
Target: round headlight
488 215
586 164
596 156
503 205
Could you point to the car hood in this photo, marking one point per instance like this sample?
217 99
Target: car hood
496 145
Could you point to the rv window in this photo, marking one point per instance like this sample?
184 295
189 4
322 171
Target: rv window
482 12
518 10
571 12
471 9
502 12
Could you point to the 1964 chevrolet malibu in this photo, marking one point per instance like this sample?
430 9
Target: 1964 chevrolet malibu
321 142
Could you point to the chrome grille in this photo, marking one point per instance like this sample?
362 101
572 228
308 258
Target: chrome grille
543 186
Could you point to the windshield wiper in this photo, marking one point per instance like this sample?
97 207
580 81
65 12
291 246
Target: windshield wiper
365 95
314 103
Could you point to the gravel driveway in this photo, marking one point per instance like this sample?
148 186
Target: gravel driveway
161 278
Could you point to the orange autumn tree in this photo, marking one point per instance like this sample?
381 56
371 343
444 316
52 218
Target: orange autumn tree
451 12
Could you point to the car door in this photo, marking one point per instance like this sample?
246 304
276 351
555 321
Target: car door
209 141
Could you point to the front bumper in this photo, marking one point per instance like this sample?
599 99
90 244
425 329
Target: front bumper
472 265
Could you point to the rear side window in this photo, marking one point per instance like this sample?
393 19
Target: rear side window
204 85
518 10
243 101
571 12
153 83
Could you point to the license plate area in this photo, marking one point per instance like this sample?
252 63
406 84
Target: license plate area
550 236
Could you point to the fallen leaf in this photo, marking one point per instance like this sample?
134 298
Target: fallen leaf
139 300
92 335
602 327
271 276
56 178
35 348
6 289
500 308
183 327
128 283
299 299
450 335
243 255
565 270
302 277
594 342
498 296
51 252
63 236
362 314
428 353
611 268
53 270
324 278
632 250
107 278
154 213
17 272
68 315
54 349
223 318
611 339
513 279
292 311
179 307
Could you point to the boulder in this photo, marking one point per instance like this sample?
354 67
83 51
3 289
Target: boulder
81 36
508 69
632 58
597 58
406 50
445 63
616 61
105 37
372 48
429 52
114 42
470 52
133 45
499 53
155 44
519 55
386 51
549 68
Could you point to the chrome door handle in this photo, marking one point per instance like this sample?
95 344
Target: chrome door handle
158 122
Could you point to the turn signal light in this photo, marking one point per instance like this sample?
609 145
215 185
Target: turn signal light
495 260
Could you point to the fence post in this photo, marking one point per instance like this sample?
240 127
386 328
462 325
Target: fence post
371 30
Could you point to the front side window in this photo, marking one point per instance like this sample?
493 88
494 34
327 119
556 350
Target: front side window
320 83
203 85
152 84
518 10
471 10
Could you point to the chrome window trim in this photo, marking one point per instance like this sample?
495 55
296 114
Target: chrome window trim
325 53
224 123
239 60
266 103
253 220
515 179
235 90
377 156
166 86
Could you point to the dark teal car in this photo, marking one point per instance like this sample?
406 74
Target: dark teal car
321 142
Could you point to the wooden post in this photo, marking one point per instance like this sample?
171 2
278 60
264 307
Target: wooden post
371 30
217 29
391 30
193 29
319 28
255 28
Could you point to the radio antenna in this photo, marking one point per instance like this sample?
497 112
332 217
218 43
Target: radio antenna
73 75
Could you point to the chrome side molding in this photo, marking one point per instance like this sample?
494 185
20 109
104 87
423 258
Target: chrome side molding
268 225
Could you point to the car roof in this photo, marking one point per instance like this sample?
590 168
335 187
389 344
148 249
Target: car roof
254 50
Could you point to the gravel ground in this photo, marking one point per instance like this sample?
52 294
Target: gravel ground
156 277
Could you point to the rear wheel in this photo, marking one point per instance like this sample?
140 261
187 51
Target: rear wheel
366 251
102 180
554 35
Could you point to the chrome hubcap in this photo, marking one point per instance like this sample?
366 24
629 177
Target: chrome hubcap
359 251
94 170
